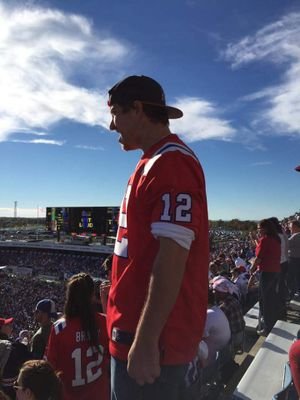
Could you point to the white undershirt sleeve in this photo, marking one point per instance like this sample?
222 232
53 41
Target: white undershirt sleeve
181 235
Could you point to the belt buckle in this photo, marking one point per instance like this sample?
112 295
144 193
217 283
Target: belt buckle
114 334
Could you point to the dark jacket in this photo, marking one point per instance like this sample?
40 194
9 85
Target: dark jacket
18 355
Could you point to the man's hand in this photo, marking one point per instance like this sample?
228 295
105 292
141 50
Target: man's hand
143 363
104 290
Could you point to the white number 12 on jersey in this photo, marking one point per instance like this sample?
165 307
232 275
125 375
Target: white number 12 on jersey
90 375
182 208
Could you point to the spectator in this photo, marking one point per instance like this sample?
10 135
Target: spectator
78 343
37 380
217 331
13 354
228 303
294 257
44 311
282 289
294 359
160 262
240 278
267 262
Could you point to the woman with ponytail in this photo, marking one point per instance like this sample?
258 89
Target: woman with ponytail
78 343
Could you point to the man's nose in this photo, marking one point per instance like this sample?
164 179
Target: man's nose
112 125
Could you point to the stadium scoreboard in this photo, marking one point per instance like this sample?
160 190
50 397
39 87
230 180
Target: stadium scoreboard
93 220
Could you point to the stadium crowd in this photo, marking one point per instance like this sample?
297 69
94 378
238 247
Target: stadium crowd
234 288
51 262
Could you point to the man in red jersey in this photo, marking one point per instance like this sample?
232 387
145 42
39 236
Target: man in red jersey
158 298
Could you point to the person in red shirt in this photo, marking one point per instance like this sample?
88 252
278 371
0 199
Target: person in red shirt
294 359
267 262
78 344
158 299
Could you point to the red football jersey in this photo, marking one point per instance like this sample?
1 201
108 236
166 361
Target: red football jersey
165 197
84 369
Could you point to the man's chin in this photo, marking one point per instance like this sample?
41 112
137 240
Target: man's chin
127 146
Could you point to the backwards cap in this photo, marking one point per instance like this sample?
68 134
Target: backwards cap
6 321
144 89
47 306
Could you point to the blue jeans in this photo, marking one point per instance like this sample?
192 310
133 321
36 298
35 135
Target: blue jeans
169 385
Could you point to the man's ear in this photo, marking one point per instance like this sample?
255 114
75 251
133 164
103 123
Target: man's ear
138 106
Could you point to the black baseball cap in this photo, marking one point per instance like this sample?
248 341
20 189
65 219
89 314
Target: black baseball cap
144 89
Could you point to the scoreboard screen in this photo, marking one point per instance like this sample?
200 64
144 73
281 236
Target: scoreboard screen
98 220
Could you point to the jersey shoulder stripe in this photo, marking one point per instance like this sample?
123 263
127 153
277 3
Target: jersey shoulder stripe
171 146
166 148
59 325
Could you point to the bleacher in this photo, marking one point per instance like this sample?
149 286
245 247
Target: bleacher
263 378
252 318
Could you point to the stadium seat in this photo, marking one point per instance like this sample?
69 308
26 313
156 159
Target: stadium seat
288 390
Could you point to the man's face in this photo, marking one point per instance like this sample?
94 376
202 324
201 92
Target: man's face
126 124
294 228
40 316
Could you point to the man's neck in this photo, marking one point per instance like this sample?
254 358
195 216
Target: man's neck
152 134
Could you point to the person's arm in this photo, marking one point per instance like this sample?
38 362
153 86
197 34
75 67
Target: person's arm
165 282
254 266
104 290
292 244
259 251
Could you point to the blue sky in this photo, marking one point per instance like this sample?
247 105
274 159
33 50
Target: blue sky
232 66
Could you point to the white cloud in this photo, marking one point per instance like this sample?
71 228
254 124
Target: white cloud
40 52
40 141
278 43
200 121
260 163
84 147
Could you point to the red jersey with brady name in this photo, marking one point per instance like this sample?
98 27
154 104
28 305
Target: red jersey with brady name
165 197
84 368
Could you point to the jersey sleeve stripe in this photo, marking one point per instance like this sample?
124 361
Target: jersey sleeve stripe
181 235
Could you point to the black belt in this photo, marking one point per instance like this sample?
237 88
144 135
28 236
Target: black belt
122 337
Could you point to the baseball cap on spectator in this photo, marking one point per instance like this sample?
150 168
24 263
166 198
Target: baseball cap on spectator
222 285
6 321
240 262
47 306
144 89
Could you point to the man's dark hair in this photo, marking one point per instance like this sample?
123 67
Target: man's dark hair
158 115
